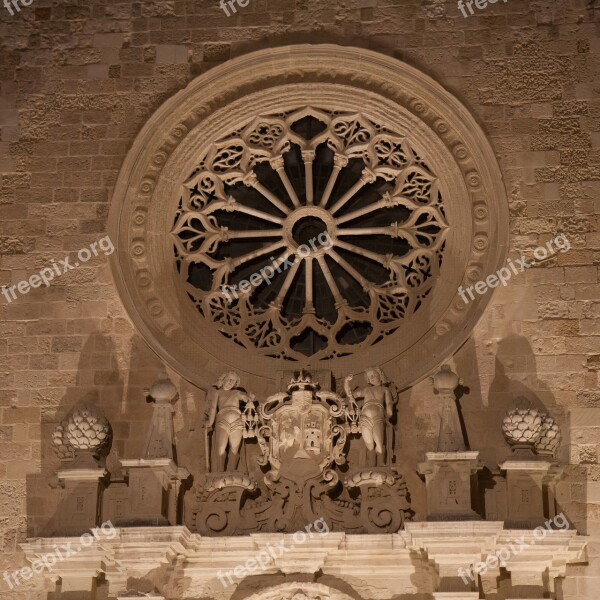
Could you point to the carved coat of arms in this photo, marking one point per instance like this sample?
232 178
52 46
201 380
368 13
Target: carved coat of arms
302 435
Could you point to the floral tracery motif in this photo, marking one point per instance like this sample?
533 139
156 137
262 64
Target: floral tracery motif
278 183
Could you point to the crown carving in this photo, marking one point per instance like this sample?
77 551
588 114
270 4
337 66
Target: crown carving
303 381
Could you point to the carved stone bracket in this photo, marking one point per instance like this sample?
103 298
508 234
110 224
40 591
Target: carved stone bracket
384 505
471 544
219 504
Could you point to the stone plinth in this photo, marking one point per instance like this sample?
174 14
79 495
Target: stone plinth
152 494
80 500
448 479
525 491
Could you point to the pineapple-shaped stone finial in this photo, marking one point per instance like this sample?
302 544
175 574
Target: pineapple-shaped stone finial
522 427
549 440
86 431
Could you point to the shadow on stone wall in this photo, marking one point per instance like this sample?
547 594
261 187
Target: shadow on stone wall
114 385
98 382
515 379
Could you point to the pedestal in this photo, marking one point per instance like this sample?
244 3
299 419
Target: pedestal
525 492
152 494
448 479
80 502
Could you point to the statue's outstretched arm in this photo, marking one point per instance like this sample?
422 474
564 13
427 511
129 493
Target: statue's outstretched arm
246 397
335 401
350 393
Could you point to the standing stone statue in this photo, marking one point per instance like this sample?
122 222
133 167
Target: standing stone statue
225 405
375 412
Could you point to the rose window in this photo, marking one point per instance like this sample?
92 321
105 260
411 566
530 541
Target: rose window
311 233
313 206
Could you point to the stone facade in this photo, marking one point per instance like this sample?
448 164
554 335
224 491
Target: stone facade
79 81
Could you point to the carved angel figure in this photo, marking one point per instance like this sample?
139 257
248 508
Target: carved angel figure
377 406
226 402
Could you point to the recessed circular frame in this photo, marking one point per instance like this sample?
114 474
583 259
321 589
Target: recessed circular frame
254 157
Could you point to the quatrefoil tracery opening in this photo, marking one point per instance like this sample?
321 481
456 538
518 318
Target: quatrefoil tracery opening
279 182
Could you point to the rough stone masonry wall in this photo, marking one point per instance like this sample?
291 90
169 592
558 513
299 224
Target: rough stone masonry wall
79 79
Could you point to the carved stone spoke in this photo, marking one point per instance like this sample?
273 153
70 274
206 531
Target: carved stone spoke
368 177
383 260
387 202
338 162
308 287
350 270
256 254
291 275
257 233
326 221
237 207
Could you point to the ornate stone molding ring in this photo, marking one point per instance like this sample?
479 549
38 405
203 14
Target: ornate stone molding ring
256 159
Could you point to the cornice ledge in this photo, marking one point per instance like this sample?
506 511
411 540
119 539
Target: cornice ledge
136 547
555 552
448 545
461 544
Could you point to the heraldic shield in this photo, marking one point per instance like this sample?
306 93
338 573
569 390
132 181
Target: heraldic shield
303 436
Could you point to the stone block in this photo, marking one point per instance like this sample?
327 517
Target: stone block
108 40
171 54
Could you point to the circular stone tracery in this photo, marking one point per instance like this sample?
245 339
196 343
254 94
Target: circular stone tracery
305 224
307 229
154 192
254 199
